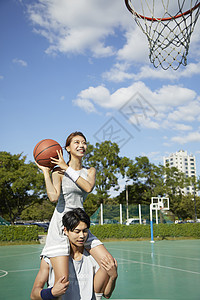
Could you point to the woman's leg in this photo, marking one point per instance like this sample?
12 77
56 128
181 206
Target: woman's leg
101 276
60 266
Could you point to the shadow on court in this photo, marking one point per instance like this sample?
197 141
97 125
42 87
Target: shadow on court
163 270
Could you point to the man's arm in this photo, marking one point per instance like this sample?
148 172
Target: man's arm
40 280
58 289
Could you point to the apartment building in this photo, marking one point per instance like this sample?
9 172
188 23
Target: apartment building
185 163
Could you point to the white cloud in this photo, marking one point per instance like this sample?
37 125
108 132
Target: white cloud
153 156
99 95
118 73
20 62
99 50
174 95
191 137
183 127
136 47
164 99
1 77
189 112
167 144
76 26
166 107
85 104
186 72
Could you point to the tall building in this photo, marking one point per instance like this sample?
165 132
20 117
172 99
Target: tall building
185 163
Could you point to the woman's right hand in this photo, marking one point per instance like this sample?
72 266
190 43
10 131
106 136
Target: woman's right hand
53 183
44 169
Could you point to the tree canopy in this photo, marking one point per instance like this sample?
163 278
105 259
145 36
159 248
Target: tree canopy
21 185
108 164
23 194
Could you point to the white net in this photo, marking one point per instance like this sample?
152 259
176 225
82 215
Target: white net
168 26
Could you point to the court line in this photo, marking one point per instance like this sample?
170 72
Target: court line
20 254
150 253
16 271
159 266
26 270
5 273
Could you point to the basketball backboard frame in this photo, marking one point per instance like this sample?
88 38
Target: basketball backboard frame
158 203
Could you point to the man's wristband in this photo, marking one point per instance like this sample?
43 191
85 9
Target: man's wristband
74 175
46 294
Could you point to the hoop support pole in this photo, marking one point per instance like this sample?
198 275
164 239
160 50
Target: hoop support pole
101 213
151 224
120 213
140 215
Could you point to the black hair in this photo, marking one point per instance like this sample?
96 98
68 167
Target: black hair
73 217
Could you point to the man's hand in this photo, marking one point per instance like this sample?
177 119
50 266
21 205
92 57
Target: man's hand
60 287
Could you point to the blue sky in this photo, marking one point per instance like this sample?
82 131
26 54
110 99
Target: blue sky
81 65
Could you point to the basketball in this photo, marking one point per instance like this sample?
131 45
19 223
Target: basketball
44 150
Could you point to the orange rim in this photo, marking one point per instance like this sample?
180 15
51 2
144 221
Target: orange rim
160 19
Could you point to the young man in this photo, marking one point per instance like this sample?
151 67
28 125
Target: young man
86 278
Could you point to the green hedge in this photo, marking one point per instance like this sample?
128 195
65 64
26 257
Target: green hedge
118 231
18 233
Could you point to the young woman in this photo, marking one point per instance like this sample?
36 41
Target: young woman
69 184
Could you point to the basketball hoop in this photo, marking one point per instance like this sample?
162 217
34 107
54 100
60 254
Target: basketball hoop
168 35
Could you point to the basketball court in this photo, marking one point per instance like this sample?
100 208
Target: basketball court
165 270
160 270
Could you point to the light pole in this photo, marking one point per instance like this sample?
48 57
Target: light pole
195 208
126 188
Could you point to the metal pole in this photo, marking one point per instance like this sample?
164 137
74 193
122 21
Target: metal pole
140 215
195 208
151 223
126 203
156 215
101 213
120 212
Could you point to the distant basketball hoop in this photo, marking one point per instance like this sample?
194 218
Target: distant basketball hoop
157 203
168 35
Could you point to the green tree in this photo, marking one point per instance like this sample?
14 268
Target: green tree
147 180
195 182
150 180
91 204
21 185
38 212
174 182
109 166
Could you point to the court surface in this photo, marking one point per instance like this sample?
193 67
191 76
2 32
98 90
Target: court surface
163 270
